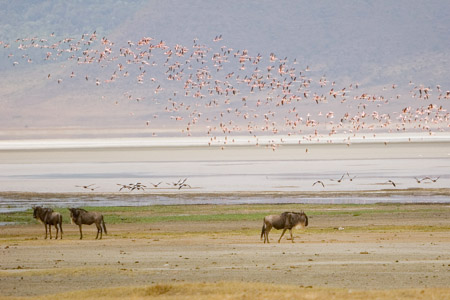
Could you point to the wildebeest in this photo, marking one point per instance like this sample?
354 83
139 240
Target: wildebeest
48 217
81 216
285 221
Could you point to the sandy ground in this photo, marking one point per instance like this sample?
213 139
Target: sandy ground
141 254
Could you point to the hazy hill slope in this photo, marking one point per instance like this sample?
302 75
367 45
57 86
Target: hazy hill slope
341 38
375 43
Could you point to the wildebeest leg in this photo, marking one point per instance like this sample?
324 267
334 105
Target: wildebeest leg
292 238
99 230
284 230
45 225
50 230
266 233
81 233
60 229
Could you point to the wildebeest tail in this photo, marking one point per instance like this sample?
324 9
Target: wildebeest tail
60 223
262 231
306 222
104 227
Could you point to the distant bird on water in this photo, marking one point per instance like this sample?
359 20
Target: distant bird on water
124 186
88 187
391 182
137 186
340 179
433 180
418 180
183 185
426 178
350 178
320 182
180 182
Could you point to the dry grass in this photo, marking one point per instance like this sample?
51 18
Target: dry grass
235 290
62 272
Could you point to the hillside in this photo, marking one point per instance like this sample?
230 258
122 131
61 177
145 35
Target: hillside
376 45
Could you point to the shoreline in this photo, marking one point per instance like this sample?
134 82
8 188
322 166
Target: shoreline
20 201
193 194
97 153
219 141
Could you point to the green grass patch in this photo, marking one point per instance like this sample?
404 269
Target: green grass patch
230 213
116 219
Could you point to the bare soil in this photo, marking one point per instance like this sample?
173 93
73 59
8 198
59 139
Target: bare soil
343 251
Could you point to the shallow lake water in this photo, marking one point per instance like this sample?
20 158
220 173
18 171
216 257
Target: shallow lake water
212 170
15 204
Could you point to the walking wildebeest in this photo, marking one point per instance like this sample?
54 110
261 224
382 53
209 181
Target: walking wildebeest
286 220
48 217
81 216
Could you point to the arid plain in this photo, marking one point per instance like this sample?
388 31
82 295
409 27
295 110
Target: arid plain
349 251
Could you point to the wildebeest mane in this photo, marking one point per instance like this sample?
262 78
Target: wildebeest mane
77 211
302 213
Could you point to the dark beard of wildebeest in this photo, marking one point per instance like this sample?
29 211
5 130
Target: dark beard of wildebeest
48 217
80 216
285 221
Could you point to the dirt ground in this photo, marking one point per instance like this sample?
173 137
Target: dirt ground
359 255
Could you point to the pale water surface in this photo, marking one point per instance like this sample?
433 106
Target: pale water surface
290 168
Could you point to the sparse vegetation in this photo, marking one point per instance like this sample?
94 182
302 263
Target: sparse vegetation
228 213
164 247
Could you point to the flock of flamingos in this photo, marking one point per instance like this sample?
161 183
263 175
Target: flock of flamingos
211 89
